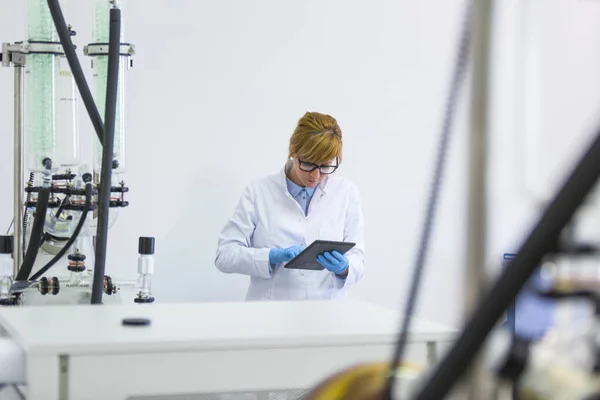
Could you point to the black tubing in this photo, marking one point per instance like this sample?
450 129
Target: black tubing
89 190
46 235
458 74
78 75
541 241
107 154
37 230
36 235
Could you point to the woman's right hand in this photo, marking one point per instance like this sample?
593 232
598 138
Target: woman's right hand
278 256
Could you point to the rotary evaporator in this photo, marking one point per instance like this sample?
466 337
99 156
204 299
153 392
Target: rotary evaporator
55 250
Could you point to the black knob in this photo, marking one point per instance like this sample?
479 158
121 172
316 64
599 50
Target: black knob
109 288
76 257
47 163
143 300
115 164
146 245
55 286
136 321
44 286
6 244
87 177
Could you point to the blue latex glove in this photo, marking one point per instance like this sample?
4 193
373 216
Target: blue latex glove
534 314
278 256
335 261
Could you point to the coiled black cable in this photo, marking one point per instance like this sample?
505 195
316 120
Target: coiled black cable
460 69
26 214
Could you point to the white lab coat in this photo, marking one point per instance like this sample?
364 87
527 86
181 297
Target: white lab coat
267 216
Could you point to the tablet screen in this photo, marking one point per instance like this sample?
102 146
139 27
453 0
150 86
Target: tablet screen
308 258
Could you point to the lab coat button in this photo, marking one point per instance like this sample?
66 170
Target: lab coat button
302 273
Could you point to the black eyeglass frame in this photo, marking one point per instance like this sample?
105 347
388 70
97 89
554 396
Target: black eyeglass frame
312 167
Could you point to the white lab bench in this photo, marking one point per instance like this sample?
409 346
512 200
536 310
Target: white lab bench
85 353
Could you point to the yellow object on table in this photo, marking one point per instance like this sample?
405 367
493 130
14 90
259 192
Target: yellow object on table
362 382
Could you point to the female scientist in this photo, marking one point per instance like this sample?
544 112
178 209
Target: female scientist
279 215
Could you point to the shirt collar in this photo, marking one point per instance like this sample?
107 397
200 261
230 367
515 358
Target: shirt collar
295 189
283 181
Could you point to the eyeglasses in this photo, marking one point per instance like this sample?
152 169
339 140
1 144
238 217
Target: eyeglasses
324 169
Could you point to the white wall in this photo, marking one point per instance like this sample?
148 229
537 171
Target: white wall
218 86
547 107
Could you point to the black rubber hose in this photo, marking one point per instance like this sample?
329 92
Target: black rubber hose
58 213
458 74
37 230
107 154
78 75
89 190
541 241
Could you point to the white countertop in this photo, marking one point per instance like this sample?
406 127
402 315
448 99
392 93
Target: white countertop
87 329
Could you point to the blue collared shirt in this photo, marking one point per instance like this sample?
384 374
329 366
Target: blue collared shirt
301 194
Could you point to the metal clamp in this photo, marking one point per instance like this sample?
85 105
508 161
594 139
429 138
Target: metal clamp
101 49
11 53
35 47
16 53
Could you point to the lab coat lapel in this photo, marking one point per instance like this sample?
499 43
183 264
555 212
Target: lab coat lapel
318 196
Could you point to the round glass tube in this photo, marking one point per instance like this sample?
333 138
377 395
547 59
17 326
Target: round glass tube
5 285
41 72
40 26
126 285
100 64
63 226
145 284
31 287
68 149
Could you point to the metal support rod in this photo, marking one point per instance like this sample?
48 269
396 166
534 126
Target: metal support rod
478 169
18 171
478 154
63 377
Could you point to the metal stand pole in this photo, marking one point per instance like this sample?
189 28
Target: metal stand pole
18 170
478 168
478 153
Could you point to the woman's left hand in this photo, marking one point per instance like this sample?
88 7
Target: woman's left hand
334 262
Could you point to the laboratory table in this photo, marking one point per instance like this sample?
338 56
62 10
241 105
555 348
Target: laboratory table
197 349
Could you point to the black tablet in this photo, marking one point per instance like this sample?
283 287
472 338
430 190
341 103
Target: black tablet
308 258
